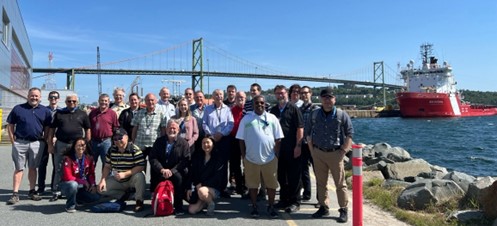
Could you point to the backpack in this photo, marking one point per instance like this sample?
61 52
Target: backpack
109 207
162 202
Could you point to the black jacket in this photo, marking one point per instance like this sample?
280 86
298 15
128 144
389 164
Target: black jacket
176 161
209 173
125 120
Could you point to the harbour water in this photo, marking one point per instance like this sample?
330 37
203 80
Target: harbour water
466 144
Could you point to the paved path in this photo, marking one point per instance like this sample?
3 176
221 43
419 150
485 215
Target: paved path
233 211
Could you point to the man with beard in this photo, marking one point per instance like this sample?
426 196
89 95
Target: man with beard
289 163
168 159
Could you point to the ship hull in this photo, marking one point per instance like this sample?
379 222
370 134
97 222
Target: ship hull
419 105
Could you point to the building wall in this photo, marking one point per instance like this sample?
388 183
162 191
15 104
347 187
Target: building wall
16 57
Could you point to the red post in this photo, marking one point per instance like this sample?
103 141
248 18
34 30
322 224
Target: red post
357 185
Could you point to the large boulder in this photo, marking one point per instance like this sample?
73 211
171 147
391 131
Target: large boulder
489 201
396 154
395 183
475 189
400 170
425 192
462 179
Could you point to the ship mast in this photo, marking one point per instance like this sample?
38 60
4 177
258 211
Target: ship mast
426 51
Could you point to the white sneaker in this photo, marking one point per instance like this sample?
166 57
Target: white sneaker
71 210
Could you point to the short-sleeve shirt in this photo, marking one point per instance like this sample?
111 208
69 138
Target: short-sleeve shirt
259 133
290 120
70 124
103 123
328 130
148 126
30 121
131 157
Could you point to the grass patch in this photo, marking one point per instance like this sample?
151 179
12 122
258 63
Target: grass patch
386 198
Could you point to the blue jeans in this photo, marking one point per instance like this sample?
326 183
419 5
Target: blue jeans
76 195
100 148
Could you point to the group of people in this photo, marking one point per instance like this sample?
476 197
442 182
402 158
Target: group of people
200 148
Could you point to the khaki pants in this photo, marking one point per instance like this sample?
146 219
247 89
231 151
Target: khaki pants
117 189
325 162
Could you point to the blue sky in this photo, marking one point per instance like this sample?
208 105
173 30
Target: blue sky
314 38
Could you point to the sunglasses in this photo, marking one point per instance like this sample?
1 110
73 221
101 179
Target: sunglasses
71 101
53 97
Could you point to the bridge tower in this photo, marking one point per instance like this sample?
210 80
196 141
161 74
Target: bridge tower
379 72
197 65
98 69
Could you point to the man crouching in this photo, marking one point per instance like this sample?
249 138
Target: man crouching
123 169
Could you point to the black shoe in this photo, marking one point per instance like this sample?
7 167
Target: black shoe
225 194
281 205
306 198
33 195
40 191
55 197
255 212
323 211
343 215
138 206
272 212
292 208
179 211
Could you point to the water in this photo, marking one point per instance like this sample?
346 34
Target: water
467 144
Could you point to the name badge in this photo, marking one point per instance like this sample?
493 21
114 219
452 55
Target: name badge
147 132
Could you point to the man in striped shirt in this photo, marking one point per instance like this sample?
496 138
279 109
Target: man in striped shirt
123 169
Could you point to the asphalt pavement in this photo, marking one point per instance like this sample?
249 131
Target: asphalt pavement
229 211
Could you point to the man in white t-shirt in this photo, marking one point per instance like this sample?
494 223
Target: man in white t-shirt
260 134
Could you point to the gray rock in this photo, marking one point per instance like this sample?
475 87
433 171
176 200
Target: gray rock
466 215
432 175
400 170
395 183
475 189
462 179
422 193
381 147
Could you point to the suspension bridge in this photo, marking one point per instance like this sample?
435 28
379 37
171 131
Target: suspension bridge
199 59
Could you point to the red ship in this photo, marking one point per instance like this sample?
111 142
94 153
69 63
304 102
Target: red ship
431 91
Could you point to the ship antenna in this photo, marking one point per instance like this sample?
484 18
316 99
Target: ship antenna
426 50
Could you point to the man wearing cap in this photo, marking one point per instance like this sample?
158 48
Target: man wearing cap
329 134
123 169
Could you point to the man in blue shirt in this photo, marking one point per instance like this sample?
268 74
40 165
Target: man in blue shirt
28 124
218 123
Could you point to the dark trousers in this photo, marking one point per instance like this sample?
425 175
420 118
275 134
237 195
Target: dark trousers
235 165
289 173
223 148
306 178
176 179
42 169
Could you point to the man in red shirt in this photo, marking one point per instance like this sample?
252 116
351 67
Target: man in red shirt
235 155
103 122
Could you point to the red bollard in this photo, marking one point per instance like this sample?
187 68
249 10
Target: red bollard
357 185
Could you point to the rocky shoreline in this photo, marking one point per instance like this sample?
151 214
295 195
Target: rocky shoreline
425 184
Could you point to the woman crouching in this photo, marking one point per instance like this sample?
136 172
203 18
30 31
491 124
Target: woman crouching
78 176
206 179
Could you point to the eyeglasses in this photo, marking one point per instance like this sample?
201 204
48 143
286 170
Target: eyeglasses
71 101
53 97
304 92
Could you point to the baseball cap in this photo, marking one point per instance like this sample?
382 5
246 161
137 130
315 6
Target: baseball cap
327 92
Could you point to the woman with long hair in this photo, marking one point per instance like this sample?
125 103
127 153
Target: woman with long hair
188 124
78 176
206 181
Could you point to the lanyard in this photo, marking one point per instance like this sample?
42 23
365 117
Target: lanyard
81 165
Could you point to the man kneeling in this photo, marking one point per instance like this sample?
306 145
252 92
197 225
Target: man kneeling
123 169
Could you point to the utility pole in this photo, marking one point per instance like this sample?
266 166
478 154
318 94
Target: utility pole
99 75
